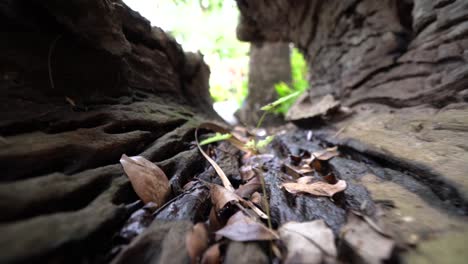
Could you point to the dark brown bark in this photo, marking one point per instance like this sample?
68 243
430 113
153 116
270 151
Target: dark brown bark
269 64
401 66
83 82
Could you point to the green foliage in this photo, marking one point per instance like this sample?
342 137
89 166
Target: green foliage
217 137
279 101
299 82
259 146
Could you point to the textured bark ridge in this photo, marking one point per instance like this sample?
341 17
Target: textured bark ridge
83 82
401 66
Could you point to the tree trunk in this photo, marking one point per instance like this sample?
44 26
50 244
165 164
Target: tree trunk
401 66
269 64
83 82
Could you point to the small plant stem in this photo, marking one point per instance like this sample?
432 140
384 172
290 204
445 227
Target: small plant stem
265 201
261 119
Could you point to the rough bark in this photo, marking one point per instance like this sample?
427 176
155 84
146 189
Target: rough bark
83 82
401 66
269 64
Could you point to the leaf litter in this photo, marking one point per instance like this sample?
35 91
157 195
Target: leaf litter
148 180
235 215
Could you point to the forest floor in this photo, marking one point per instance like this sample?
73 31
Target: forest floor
298 199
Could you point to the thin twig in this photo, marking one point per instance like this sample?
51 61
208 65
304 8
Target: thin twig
49 60
265 196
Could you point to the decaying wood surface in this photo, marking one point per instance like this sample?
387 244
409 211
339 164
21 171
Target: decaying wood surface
400 68
84 82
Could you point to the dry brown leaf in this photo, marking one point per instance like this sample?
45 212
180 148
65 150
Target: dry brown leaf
371 246
330 178
196 241
306 179
242 228
212 255
148 180
221 197
316 188
246 190
227 184
246 172
308 242
214 221
326 154
239 217
296 172
256 198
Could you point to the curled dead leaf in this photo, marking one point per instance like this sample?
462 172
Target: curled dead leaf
222 200
316 188
148 180
246 172
326 154
308 242
196 241
256 198
246 190
242 228
222 197
295 171
306 179
369 244
212 255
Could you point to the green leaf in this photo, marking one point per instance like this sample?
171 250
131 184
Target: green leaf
217 137
264 142
278 102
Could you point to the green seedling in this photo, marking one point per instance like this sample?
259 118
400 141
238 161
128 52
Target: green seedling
217 137
271 106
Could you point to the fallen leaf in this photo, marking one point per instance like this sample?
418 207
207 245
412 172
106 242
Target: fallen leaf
306 180
330 178
222 197
196 241
316 188
372 223
306 110
256 198
242 228
227 184
246 172
320 166
308 242
239 217
296 172
214 221
246 190
326 154
212 255
148 180
371 246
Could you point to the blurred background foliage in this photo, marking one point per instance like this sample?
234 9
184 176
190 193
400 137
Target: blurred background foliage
298 81
209 26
